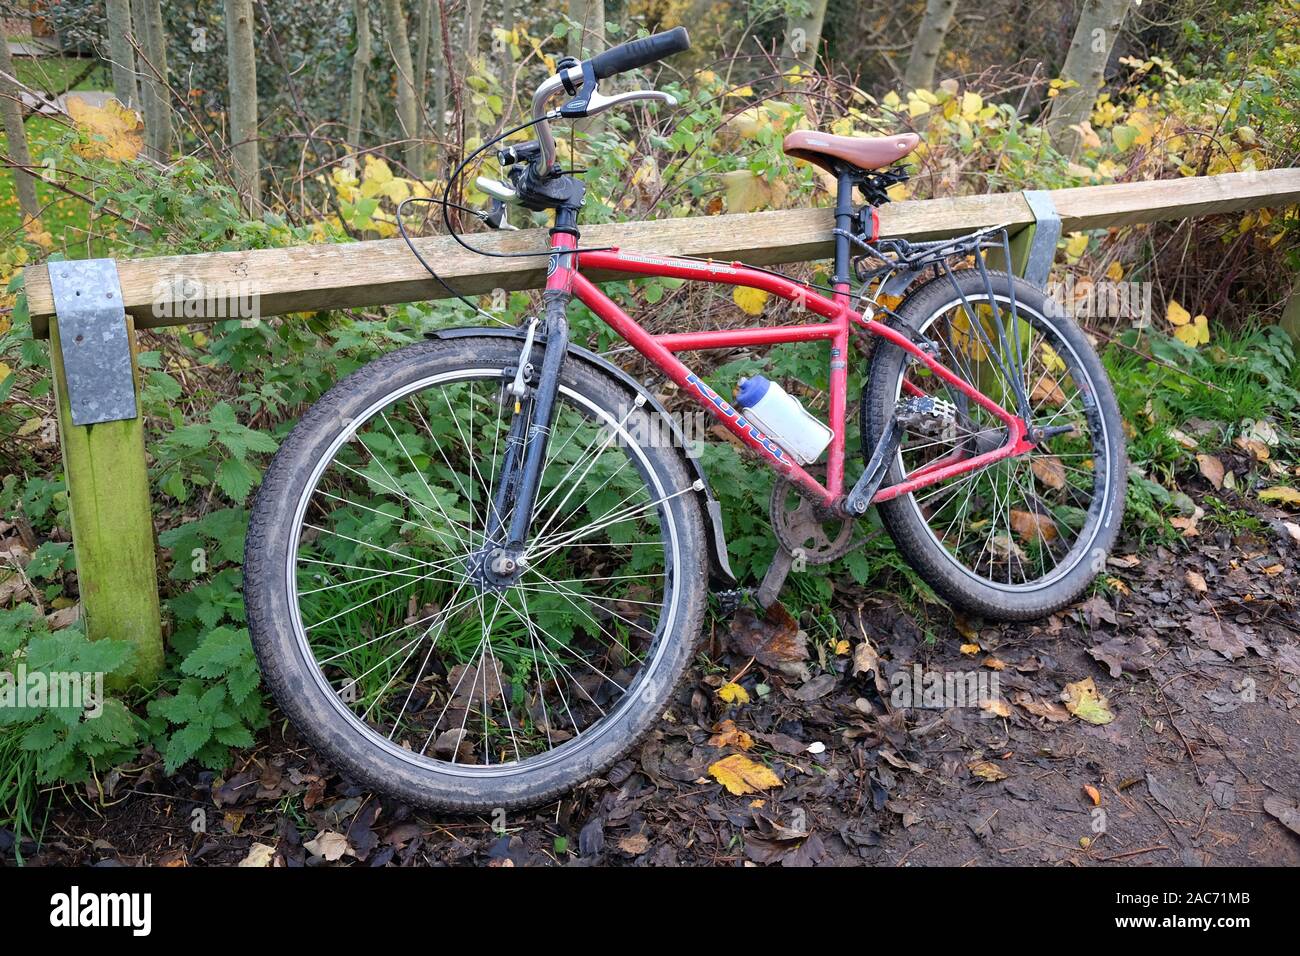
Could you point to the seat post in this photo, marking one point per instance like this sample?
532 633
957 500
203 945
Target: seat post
845 180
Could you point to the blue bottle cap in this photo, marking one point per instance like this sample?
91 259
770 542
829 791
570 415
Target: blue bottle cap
750 391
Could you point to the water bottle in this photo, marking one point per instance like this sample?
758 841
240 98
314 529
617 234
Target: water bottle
779 414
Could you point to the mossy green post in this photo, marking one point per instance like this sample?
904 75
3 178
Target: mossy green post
112 524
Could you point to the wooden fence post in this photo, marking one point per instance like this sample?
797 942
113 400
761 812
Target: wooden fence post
112 525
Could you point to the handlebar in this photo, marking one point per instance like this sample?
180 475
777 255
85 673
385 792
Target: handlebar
618 59
634 53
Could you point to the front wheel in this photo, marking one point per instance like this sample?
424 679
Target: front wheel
1024 536
392 651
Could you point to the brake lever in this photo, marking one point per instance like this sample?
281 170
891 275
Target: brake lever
599 103
589 101
496 217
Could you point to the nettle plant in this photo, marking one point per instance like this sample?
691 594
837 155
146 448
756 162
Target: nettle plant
54 703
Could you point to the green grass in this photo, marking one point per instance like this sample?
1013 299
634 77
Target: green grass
66 217
55 74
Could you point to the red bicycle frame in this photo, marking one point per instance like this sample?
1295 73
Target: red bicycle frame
565 275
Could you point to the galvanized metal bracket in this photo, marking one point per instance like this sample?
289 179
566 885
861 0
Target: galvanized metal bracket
93 340
1047 233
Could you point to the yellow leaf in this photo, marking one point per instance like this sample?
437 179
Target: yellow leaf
733 693
1116 272
841 647
377 170
1176 314
1093 794
987 770
1196 332
1281 495
5 371
745 192
971 104
1053 361
29 426
891 100
970 650
741 775
1084 701
1075 245
111 131
750 301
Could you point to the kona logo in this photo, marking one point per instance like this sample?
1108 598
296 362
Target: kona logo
723 406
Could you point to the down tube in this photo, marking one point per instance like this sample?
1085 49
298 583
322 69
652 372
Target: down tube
671 366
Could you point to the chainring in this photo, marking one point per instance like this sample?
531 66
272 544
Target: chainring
804 529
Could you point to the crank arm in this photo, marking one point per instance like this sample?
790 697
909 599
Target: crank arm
859 499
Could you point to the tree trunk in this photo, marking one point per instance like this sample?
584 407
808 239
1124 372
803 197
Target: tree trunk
360 61
1085 65
12 110
151 37
408 114
588 38
430 33
241 70
803 34
928 44
121 52
473 29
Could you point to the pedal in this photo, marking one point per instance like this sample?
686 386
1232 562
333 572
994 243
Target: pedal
729 601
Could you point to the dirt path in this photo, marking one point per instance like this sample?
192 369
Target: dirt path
1196 767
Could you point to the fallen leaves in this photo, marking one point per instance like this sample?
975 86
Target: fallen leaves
1049 470
740 775
727 734
328 845
259 855
1282 495
733 693
1196 582
1031 526
1284 811
1212 469
987 770
1087 703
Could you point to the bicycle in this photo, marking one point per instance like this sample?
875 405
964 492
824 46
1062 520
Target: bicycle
473 577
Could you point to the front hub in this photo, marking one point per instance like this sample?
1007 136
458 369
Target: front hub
495 568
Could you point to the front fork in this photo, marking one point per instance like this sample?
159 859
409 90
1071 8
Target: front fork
530 427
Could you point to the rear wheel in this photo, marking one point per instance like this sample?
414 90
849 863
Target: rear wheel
386 643
1025 536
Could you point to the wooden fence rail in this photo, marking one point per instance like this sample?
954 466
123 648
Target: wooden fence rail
105 463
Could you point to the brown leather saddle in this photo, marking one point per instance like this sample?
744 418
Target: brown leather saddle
867 153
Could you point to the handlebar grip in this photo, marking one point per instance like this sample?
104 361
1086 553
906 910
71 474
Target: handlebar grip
634 53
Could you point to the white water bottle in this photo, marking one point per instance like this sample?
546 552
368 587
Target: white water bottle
782 418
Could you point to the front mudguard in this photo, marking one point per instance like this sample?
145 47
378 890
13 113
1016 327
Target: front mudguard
719 565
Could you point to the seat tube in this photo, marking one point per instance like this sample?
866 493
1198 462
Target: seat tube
839 370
